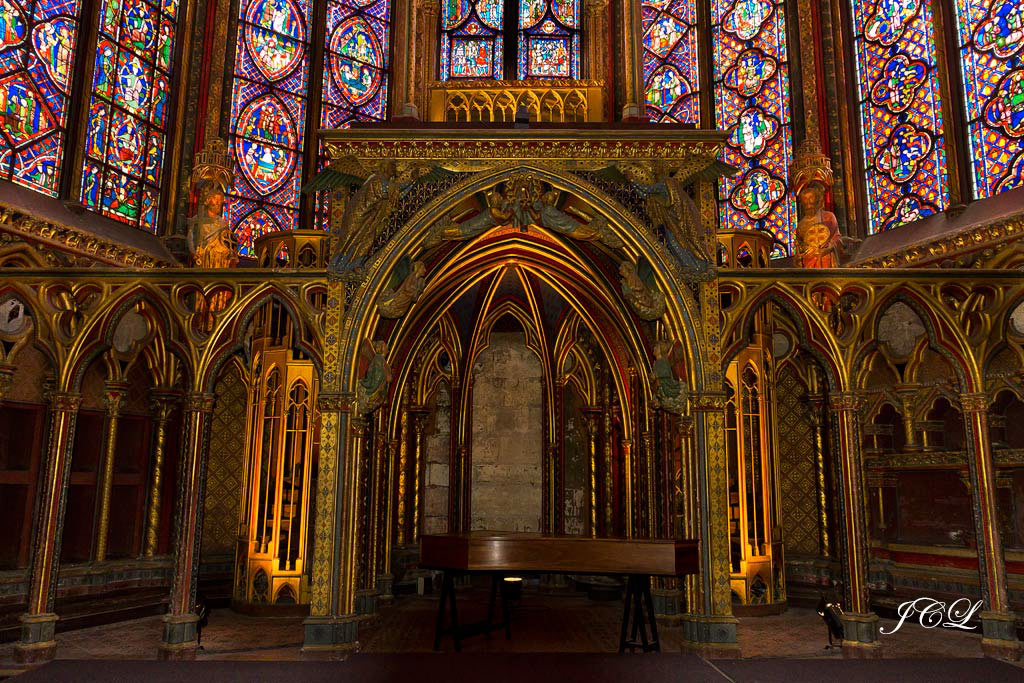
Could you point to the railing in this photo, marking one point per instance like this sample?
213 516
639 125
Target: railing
498 101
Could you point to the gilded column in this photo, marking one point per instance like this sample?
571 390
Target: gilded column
999 637
908 396
627 485
609 469
632 56
859 623
423 56
162 405
688 525
113 395
419 424
593 424
353 598
402 514
595 32
179 635
709 625
817 404
37 642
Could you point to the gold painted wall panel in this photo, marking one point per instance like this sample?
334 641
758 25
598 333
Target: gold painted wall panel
224 471
798 480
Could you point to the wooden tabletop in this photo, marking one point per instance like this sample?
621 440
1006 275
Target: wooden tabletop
506 551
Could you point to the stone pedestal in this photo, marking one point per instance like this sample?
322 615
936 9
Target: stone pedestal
710 636
860 636
37 644
330 637
179 638
999 636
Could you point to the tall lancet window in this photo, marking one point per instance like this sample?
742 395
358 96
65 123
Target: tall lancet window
991 38
268 116
271 113
671 71
481 40
129 111
900 111
38 42
752 102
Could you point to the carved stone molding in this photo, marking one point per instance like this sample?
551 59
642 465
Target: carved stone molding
958 246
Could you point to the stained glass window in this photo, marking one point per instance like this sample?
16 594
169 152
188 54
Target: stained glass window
752 102
38 42
991 38
355 81
900 111
471 40
268 115
549 39
670 60
128 111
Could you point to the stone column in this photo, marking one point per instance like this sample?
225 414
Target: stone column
113 394
179 635
860 625
6 380
37 642
163 405
999 636
709 626
595 32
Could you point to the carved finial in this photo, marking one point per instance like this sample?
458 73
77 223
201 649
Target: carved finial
213 164
810 166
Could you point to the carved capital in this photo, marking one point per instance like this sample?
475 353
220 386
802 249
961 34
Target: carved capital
162 402
845 402
198 402
974 403
113 396
336 403
65 402
708 401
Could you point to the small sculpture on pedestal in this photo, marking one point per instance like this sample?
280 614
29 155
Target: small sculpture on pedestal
373 385
818 241
670 392
210 239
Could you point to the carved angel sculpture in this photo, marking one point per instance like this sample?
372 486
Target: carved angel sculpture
372 389
366 213
405 287
553 218
639 287
670 392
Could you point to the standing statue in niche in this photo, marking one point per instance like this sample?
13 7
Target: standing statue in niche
670 392
372 389
640 289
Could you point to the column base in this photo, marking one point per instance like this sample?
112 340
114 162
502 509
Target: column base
634 113
330 637
667 606
860 636
999 636
710 636
37 644
179 638
385 587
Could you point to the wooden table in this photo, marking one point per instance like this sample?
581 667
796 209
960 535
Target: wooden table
500 553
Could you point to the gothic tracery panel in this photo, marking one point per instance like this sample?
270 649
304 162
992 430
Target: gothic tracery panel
991 39
900 111
38 41
752 102
671 70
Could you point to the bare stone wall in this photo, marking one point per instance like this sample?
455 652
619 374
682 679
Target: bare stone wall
507 436
437 447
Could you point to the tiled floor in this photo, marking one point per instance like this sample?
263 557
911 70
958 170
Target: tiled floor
541 623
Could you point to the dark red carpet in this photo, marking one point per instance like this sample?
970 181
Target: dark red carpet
530 668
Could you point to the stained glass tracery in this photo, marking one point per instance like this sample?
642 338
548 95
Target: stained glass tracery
671 71
991 39
471 40
38 41
268 113
126 135
752 102
900 111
